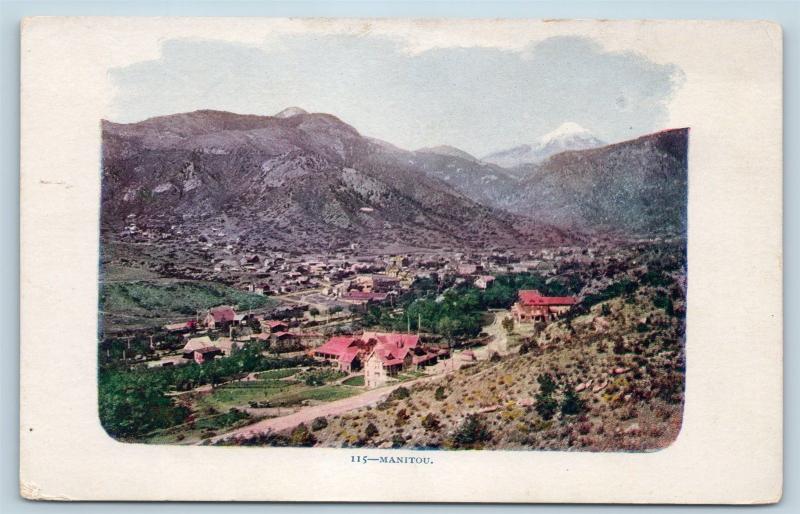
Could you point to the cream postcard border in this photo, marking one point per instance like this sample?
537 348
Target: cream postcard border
730 446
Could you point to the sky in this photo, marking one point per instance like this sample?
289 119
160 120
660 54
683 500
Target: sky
479 99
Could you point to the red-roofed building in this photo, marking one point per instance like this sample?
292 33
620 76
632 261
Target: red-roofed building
208 353
220 317
272 325
344 350
362 297
391 352
534 306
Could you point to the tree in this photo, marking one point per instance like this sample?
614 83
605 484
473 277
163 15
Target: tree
572 403
546 383
546 406
471 433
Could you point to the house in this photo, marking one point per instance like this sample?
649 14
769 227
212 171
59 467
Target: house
376 283
361 297
390 352
484 281
195 344
272 325
531 305
344 350
180 328
393 352
220 317
200 349
206 354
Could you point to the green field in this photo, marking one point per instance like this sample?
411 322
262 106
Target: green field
203 427
275 374
356 381
271 393
148 303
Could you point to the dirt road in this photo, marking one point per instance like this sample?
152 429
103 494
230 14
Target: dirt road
307 414
499 338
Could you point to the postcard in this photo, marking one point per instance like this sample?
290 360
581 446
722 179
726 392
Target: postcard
383 260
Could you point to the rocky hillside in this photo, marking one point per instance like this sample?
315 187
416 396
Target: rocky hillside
311 180
635 187
298 178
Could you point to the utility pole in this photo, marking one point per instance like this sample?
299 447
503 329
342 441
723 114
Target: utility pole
419 323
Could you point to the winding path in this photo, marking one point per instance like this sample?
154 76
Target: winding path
306 415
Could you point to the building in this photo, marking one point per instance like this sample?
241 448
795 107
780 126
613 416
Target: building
484 281
271 325
386 352
346 351
180 328
209 353
376 283
362 297
200 349
220 317
531 305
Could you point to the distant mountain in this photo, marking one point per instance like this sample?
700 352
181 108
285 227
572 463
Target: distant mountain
636 187
485 183
568 136
290 111
296 181
447 151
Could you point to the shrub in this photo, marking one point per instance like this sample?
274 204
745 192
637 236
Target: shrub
319 423
371 430
302 437
430 423
399 394
402 418
546 383
398 441
471 434
439 393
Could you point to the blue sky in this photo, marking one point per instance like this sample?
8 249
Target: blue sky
479 99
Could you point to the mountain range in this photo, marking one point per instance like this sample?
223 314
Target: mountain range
310 181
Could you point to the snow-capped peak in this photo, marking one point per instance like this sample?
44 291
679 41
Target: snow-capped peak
567 136
566 129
